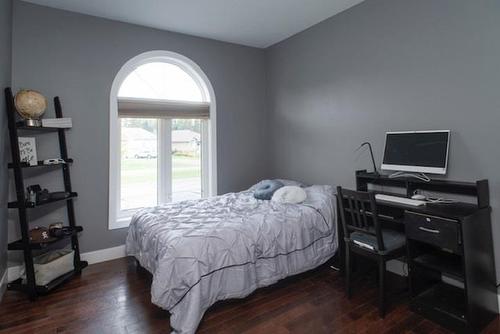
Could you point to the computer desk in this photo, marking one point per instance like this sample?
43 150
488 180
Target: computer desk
445 243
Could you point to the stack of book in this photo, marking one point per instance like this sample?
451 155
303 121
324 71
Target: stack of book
57 122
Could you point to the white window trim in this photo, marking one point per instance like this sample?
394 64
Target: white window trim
164 163
115 221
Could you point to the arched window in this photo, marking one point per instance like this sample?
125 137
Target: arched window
162 135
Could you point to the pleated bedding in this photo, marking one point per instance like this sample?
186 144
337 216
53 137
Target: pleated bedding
203 251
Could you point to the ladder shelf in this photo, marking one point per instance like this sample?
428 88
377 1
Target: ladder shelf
21 204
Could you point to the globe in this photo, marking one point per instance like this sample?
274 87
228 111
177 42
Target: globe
30 104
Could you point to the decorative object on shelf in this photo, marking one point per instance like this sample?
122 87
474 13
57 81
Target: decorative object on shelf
33 192
54 161
63 123
58 230
27 150
55 226
42 197
375 171
38 196
31 105
40 234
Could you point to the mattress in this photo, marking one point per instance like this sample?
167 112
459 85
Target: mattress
203 251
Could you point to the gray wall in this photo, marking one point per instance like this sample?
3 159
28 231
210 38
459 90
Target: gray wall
382 65
389 65
77 57
5 80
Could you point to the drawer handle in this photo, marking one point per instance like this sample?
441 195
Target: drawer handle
425 229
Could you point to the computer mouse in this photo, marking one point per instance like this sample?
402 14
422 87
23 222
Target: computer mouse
419 197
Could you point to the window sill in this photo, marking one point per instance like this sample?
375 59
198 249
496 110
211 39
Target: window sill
119 223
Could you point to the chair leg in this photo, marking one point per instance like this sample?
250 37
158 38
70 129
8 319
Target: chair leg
381 289
348 272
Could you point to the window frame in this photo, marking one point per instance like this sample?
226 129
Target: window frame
209 146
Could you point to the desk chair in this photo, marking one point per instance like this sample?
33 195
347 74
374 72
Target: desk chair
364 236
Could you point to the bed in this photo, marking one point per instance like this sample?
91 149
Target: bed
203 251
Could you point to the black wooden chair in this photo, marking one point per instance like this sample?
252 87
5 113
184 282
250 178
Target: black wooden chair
364 236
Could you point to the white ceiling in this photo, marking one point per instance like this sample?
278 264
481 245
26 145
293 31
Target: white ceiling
258 23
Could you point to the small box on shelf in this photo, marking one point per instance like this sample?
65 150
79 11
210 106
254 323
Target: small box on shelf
64 123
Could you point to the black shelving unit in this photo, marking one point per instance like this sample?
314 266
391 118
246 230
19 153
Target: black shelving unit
23 205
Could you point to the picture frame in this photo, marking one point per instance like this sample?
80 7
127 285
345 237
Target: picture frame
27 150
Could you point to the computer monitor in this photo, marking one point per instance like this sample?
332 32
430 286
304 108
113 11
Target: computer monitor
417 151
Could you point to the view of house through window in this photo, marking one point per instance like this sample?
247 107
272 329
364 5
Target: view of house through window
161 157
139 160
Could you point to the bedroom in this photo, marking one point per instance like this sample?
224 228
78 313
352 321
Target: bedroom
285 91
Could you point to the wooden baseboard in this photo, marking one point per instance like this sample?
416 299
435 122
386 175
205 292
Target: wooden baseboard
103 255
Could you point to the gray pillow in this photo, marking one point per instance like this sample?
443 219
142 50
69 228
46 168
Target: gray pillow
265 189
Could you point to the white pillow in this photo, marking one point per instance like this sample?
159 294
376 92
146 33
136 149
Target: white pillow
289 194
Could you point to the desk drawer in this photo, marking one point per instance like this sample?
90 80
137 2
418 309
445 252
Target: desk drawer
440 232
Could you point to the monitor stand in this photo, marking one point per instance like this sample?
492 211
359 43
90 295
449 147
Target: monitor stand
420 176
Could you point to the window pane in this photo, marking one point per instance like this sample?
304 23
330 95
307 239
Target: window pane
161 81
138 163
186 159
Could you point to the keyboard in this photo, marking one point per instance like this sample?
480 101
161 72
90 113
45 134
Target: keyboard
399 200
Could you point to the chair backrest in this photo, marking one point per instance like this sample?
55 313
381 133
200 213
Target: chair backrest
358 212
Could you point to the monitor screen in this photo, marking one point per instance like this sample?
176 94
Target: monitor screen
418 151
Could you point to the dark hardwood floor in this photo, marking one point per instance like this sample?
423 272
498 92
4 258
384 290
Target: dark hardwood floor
113 297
